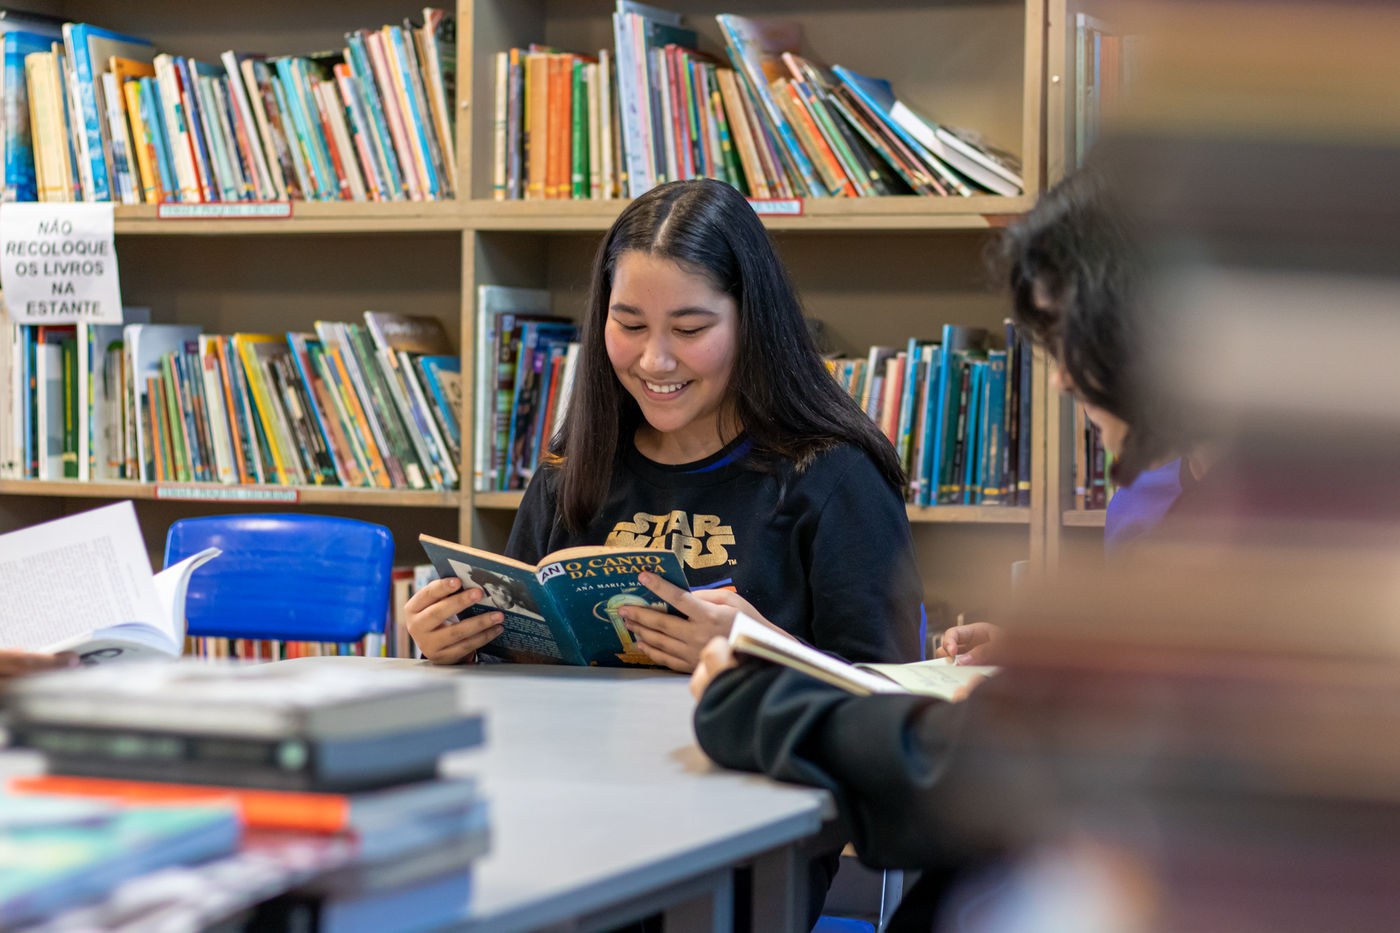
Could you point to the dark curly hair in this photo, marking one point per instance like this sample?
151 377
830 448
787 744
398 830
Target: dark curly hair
1078 280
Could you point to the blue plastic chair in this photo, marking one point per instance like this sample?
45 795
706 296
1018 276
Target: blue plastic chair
285 577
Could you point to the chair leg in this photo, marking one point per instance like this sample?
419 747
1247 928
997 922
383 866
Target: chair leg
891 891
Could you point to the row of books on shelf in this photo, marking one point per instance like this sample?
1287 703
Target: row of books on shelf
1093 487
526 361
774 125
957 410
359 405
296 798
95 115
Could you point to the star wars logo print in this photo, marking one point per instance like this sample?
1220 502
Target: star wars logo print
700 541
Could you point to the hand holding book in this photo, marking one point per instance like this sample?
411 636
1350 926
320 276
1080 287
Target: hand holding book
433 621
678 642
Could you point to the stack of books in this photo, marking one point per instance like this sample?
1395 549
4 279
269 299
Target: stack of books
102 116
58 851
957 410
345 762
370 405
774 125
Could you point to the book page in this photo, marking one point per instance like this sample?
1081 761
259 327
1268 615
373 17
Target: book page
936 678
752 637
64 578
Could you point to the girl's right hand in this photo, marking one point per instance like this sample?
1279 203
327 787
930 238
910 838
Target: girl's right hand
974 643
442 639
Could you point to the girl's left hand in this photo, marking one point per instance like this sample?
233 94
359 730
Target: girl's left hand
677 642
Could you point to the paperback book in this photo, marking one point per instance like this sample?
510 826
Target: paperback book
938 678
563 610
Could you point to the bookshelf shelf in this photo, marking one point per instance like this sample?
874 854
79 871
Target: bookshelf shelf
970 515
874 271
216 494
942 514
1083 518
306 217
824 214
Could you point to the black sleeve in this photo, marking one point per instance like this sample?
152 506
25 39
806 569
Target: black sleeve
862 574
883 758
535 520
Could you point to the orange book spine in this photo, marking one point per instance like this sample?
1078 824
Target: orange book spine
157 448
557 183
244 474
257 809
536 123
816 142
379 473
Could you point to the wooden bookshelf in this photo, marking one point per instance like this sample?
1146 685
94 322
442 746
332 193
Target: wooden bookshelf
827 214
1083 518
875 271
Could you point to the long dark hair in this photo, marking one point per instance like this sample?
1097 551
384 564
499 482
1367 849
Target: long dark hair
1078 283
779 389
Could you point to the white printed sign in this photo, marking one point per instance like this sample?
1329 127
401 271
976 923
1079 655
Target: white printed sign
58 264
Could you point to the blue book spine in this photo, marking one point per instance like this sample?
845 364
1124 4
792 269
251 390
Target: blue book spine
1023 429
301 159
319 174
194 124
529 336
21 181
430 367
384 143
154 117
28 411
88 121
972 438
316 138
928 488
906 402
416 110
994 442
300 357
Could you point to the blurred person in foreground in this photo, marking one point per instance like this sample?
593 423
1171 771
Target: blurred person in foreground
908 796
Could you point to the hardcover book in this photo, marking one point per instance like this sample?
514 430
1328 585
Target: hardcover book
563 610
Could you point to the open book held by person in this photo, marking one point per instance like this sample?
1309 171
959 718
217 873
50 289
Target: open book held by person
562 610
83 583
938 678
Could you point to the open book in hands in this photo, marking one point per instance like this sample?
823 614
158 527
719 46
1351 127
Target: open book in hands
563 610
939 678
84 584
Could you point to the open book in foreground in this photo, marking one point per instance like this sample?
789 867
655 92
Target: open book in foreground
83 583
563 610
937 678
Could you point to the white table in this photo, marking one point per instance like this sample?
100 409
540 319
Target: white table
604 810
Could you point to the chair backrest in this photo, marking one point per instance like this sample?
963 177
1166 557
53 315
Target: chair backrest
290 577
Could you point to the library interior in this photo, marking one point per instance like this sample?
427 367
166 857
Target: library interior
699 465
